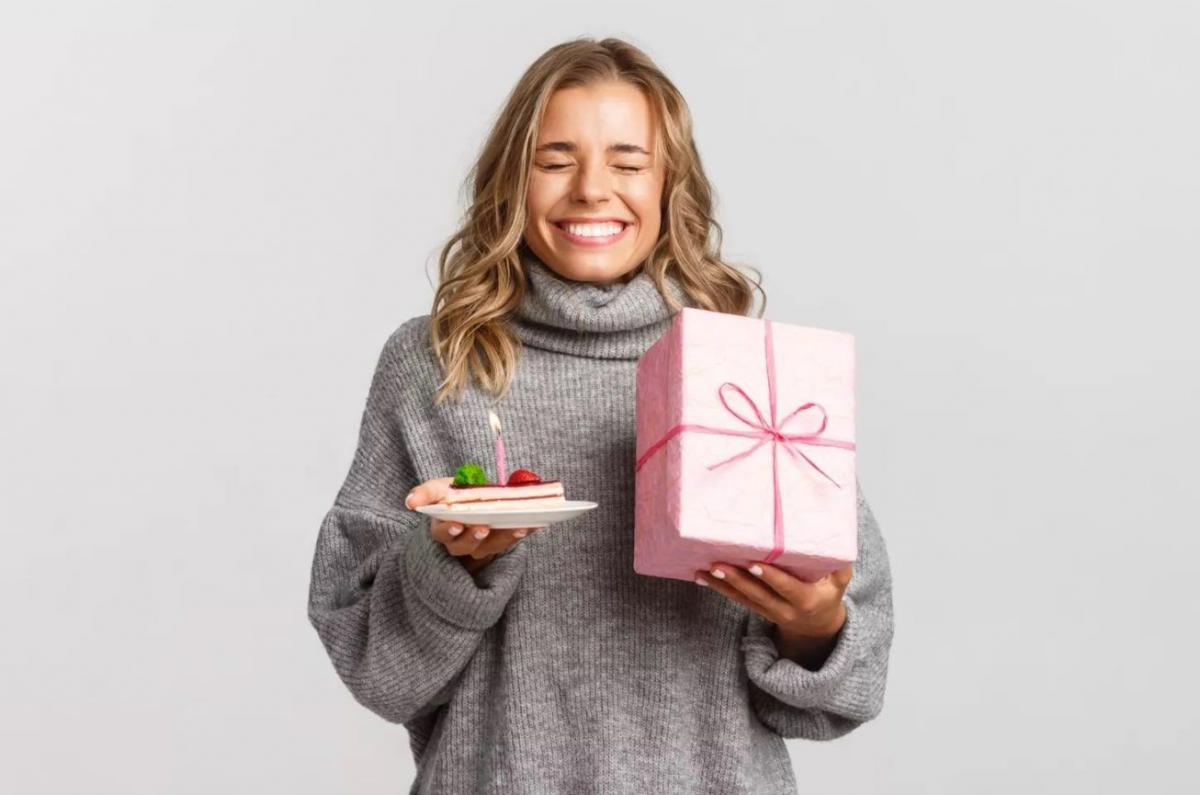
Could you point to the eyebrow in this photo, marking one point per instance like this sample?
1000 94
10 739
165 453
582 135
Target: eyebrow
569 146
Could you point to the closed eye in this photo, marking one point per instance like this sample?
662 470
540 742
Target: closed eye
557 166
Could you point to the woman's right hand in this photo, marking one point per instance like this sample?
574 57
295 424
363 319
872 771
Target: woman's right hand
475 545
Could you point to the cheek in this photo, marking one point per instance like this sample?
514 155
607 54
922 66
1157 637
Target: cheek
646 201
538 201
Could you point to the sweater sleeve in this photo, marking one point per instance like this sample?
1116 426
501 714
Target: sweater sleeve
397 614
848 689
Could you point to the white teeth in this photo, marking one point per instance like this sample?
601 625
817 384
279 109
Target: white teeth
593 230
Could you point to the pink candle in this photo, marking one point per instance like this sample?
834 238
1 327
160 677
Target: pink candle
501 474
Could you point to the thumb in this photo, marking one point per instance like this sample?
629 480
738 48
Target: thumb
428 492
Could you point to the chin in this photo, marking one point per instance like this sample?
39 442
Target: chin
597 267
597 275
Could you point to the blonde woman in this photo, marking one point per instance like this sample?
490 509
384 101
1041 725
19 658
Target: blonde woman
541 662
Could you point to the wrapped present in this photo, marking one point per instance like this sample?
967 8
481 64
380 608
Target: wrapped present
745 447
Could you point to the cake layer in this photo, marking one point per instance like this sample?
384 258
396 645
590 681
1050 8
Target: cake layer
498 494
506 505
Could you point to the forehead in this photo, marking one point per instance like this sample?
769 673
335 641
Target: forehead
597 114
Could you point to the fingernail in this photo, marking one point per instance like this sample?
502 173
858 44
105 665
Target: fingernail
520 533
455 529
481 533
720 575
756 570
700 581
408 501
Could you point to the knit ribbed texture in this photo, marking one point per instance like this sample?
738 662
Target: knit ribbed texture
602 321
559 669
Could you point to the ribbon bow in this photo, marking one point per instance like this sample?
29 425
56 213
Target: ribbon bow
766 431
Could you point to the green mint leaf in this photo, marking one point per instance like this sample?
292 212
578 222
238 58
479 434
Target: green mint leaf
470 475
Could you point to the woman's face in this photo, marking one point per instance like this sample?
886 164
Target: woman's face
595 191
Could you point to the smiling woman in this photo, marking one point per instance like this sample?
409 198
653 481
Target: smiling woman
595 194
548 665
590 169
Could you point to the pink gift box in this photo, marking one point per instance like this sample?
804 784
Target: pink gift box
745 447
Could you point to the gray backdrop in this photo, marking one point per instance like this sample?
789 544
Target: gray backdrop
213 214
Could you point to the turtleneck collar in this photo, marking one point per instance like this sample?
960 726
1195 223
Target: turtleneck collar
601 321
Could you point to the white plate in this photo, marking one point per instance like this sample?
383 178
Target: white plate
513 517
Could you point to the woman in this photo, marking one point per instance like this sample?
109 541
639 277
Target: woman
541 662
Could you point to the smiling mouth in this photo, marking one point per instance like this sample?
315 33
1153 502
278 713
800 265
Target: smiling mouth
587 241
563 226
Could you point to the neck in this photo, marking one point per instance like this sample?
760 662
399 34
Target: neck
618 320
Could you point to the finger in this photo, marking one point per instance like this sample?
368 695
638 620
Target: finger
445 531
843 576
499 540
707 580
792 589
468 541
428 492
808 598
753 587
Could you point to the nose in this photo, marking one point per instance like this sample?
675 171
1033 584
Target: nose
592 183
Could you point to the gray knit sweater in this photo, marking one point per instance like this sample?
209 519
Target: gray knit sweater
559 669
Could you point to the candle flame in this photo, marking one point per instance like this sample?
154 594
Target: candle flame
495 422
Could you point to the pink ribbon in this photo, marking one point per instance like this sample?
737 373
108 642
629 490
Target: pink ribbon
764 431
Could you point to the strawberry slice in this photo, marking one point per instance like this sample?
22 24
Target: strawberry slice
521 477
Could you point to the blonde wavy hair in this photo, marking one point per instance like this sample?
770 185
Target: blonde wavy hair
481 280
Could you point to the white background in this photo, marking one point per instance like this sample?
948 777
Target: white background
213 214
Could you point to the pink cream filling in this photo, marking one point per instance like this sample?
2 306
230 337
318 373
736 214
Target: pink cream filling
543 492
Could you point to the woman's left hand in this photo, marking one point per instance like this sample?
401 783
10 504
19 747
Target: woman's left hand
807 614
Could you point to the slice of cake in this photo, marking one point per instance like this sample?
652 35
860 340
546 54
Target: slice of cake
470 491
